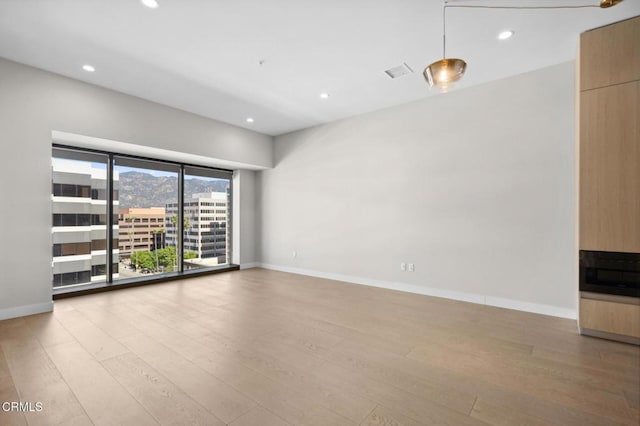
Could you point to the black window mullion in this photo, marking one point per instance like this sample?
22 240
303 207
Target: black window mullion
229 224
109 221
180 224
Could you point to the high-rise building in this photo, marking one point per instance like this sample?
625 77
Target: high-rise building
141 229
79 228
205 227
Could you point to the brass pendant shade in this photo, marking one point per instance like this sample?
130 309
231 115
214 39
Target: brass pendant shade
444 72
608 3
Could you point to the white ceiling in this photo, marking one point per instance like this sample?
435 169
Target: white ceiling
203 56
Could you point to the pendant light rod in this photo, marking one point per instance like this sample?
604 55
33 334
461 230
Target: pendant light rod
602 4
478 6
444 30
446 4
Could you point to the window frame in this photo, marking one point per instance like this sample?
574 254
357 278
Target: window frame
112 218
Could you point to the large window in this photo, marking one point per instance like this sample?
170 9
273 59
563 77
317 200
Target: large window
147 189
162 218
205 217
78 218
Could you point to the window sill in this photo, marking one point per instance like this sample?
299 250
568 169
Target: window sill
61 293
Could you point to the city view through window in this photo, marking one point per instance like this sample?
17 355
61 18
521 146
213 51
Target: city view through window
145 218
79 209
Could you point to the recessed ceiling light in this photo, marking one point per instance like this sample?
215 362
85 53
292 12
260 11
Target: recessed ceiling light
88 68
324 95
249 120
505 34
152 4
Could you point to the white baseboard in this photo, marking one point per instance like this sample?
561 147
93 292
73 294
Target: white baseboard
249 265
517 305
536 308
22 311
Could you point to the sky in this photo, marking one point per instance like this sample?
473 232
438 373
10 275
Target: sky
124 169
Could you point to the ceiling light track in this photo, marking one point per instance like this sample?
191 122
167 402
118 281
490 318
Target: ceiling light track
443 73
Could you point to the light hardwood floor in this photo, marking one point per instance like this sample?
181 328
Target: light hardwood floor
258 347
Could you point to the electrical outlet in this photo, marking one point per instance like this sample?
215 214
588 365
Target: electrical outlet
294 253
403 266
411 267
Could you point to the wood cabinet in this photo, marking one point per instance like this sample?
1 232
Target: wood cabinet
622 319
610 55
610 168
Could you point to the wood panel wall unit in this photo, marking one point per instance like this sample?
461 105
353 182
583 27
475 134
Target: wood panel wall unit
610 138
610 55
622 319
610 168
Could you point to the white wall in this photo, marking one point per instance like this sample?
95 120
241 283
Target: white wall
244 218
475 187
33 103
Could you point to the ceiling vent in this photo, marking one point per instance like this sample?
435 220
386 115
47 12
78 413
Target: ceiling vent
399 71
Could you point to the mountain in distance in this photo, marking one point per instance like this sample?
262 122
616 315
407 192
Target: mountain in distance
144 190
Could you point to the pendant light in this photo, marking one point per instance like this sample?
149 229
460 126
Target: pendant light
443 73
608 3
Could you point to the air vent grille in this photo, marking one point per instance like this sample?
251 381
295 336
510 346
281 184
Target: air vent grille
399 71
